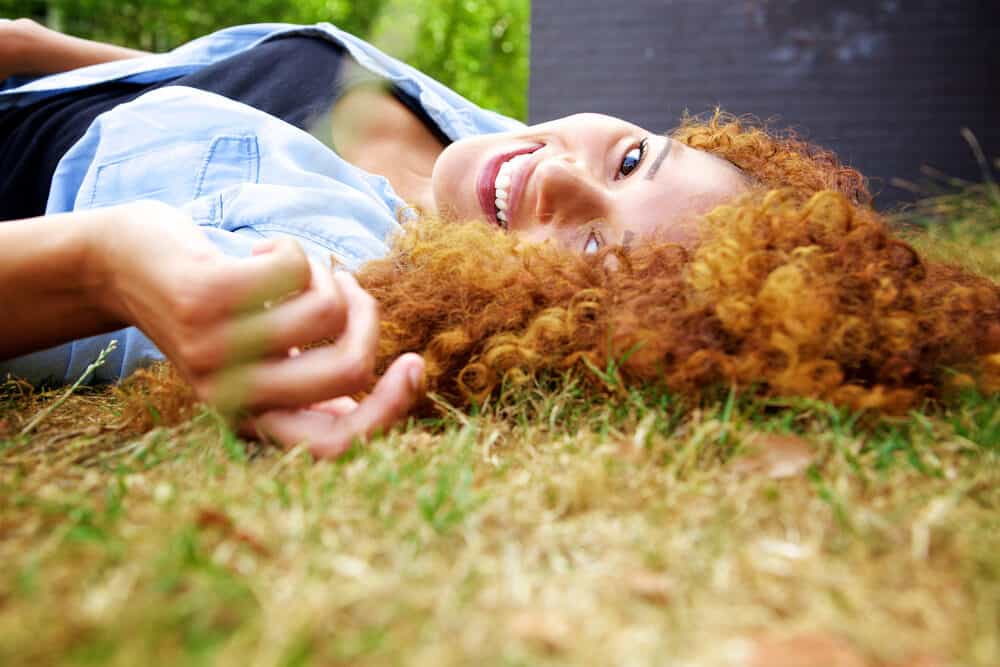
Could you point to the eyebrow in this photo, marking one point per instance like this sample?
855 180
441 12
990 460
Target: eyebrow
651 172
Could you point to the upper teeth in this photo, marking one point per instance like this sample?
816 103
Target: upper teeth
502 184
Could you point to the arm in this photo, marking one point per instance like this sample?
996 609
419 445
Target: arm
44 283
76 274
27 48
226 323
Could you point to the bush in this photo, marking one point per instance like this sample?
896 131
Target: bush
477 47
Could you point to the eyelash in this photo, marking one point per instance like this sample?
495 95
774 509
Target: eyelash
643 145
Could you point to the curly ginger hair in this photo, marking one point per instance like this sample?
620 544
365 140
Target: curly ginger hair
797 288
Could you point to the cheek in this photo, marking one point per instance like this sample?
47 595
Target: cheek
446 173
682 229
458 158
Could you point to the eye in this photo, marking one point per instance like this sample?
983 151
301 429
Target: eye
593 244
633 158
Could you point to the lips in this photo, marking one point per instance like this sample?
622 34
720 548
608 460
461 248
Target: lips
486 188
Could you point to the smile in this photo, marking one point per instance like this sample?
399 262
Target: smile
501 183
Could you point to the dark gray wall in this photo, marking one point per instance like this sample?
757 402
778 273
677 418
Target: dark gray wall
886 83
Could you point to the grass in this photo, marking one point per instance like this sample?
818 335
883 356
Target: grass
544 529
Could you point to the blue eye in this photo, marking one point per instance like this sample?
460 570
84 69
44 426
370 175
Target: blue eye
633 158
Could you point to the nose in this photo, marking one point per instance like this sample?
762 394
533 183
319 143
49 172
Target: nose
567 192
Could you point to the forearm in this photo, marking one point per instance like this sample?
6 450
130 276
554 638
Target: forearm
48 287
27 48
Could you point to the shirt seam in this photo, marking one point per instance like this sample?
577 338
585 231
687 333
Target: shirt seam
251 159
325 242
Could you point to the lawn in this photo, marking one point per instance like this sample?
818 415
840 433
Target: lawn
548 527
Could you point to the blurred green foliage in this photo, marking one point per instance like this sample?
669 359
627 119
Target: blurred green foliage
477 47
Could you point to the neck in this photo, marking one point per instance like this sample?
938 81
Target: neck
374 131
407 168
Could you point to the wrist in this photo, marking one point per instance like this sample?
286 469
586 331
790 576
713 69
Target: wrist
98 260
50 283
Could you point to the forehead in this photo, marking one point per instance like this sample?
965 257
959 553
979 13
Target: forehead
686 185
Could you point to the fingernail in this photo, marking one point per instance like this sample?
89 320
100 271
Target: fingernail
416 378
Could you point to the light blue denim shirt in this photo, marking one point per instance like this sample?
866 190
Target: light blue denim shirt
241 174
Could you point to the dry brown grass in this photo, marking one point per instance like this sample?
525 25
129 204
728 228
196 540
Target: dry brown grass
550 531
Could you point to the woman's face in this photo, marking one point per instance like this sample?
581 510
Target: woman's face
584 181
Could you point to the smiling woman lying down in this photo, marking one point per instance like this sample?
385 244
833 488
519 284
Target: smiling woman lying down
797 288
718 255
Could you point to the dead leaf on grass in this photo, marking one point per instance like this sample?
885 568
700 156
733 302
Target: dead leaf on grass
212 518
651 586
812 650
549 630
774 455
921 661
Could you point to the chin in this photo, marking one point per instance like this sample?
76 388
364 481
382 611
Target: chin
449 180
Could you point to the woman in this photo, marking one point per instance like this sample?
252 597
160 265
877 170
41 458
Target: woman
192 129
94 138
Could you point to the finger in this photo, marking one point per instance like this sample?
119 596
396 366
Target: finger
338 407
328 436
246 284
318 374
395 394
318 313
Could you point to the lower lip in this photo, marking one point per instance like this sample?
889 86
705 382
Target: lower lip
486 186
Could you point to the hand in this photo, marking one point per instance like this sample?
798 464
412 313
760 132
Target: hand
227 324
211 315
328 429
151 267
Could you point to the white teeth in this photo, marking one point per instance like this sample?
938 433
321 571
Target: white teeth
502 183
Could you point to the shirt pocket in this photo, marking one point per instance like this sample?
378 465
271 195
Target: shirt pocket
178 173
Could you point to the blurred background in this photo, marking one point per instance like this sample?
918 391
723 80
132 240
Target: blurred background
477 47
888 84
